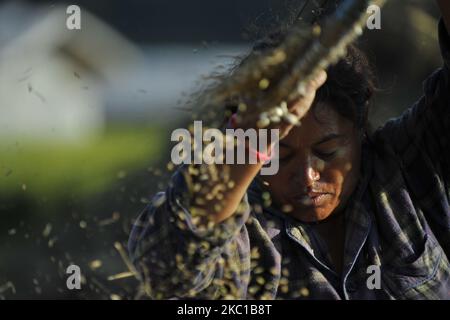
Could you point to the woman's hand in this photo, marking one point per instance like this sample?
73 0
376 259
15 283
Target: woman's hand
249 119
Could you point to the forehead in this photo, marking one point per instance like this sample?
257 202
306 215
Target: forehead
320 121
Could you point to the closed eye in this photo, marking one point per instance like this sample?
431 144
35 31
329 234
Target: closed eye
326 155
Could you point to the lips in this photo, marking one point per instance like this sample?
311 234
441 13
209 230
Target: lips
315 194
312 199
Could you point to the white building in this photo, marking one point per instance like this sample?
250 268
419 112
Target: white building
64 84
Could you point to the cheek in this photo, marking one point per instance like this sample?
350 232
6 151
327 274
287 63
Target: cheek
276 185
344 172
341 170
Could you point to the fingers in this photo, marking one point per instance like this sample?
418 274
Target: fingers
301 106
314 85
297 109
319 80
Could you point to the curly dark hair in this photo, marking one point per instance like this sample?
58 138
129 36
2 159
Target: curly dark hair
349 87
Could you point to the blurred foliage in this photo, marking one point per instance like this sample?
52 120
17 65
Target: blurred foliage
45 169
69 203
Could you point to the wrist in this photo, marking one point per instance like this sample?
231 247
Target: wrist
261 155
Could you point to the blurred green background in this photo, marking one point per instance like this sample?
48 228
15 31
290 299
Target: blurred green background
86 117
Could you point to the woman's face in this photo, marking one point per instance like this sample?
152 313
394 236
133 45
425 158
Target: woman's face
319 166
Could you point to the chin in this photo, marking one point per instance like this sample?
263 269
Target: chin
310 214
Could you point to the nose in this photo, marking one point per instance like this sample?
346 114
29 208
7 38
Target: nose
306 174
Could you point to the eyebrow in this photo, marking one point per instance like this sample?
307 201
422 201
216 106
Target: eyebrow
327 138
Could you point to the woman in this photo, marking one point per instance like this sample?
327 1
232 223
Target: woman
351 214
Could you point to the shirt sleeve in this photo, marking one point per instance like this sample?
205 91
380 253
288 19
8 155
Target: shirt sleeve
174 256
420 139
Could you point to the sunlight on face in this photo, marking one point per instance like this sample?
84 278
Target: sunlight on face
319 166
